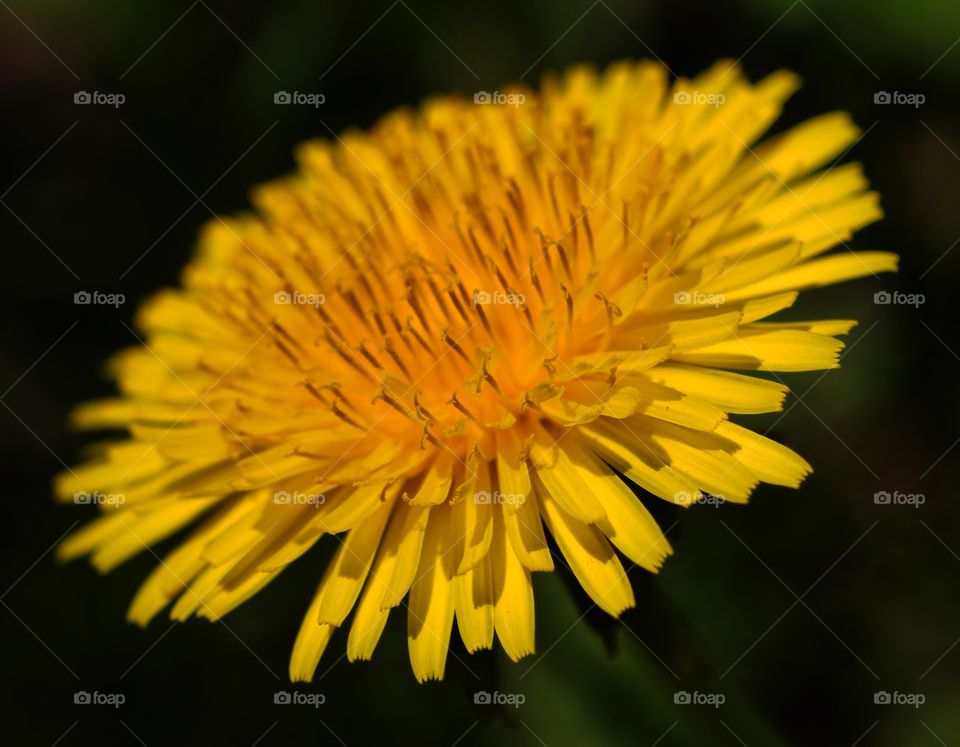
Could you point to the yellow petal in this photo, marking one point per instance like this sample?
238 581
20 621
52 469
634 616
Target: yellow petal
369 620
311 641
639 395
689 333
808 145
175 572
829 327
430 609
764 306
436 484
202 441
514 609
349 509
836 268
590 557
558 474
401 549
641 464
512 474
226 599
765 458
602 362
473 601
169 578
345 576
142 531
100 530
760 350
117 413
476 531
729 391
391 575
628 524
524 529
751 267
706 458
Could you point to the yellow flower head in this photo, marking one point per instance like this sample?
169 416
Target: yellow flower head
444 340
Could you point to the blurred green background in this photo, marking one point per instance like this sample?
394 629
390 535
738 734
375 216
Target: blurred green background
797 609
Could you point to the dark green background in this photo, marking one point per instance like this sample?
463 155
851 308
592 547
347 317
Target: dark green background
882 611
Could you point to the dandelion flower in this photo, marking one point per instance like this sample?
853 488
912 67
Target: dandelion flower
471 335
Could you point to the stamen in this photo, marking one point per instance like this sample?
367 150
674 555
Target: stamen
453 344
422 412
482 315
362 349
391 351
335 408
459 406
536 281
